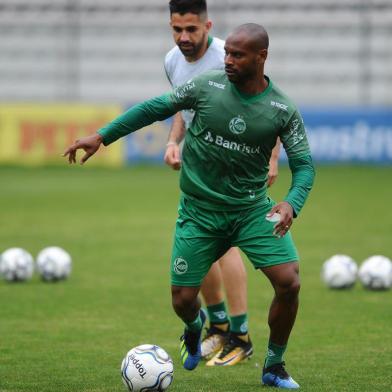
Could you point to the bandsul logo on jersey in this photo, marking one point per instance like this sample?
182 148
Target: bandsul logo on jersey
237 125
182 91
294 126
229 144
180 266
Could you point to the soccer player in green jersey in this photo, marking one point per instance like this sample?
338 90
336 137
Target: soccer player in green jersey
240 113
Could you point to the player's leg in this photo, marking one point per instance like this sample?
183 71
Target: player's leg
235 282
237 346
195 248
186 304
212 292
283 311
276 257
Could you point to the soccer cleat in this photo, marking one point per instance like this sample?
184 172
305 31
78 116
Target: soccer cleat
190 348
234 350
213 342
276 376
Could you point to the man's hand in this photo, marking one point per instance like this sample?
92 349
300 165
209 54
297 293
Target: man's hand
286 217
172 155
90 144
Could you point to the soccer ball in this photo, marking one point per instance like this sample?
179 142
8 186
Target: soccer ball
147 368
16 265
54 264
339 272
375 273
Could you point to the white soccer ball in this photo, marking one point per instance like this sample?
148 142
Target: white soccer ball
54 264
339 272
147 368
16 265
375 273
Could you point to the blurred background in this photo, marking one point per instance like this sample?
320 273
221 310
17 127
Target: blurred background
69 66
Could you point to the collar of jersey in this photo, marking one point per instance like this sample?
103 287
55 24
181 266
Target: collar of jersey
252 98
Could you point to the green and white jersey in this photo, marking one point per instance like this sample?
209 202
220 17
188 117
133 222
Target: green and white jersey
228 145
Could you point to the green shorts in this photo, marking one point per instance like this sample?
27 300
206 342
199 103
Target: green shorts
203 236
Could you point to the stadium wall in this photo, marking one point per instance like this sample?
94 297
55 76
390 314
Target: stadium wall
95 53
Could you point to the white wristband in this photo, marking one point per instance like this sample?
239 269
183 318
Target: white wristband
171 144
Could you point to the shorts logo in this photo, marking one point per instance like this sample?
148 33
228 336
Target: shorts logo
180 266
237 125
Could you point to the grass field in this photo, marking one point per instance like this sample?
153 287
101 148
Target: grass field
118 224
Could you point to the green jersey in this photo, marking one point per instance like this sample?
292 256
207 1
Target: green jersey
228 145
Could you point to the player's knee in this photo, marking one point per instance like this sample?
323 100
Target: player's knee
294 289
183 298
288 291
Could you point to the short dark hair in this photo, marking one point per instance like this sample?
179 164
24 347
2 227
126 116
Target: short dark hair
188 6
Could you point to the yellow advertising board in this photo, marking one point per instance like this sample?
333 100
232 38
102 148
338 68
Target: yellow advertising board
35 134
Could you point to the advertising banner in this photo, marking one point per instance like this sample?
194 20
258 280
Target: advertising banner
35 134
350 135
148 144
335 135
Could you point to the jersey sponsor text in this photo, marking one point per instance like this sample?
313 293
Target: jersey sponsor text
230 145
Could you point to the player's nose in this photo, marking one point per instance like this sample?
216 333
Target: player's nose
184 37
228 59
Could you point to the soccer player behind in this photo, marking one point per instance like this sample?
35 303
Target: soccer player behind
227 340
239 114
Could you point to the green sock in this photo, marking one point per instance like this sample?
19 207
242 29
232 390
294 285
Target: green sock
195 325
274 354
239 324
217 314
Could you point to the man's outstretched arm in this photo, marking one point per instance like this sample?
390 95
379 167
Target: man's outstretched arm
137 117
155 109
90 144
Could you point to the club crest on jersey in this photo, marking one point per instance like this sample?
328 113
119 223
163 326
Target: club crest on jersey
237 125
180 266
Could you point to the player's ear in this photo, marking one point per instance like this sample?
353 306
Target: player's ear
263 53
208 25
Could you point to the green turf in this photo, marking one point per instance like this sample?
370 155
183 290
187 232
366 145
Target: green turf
117 224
